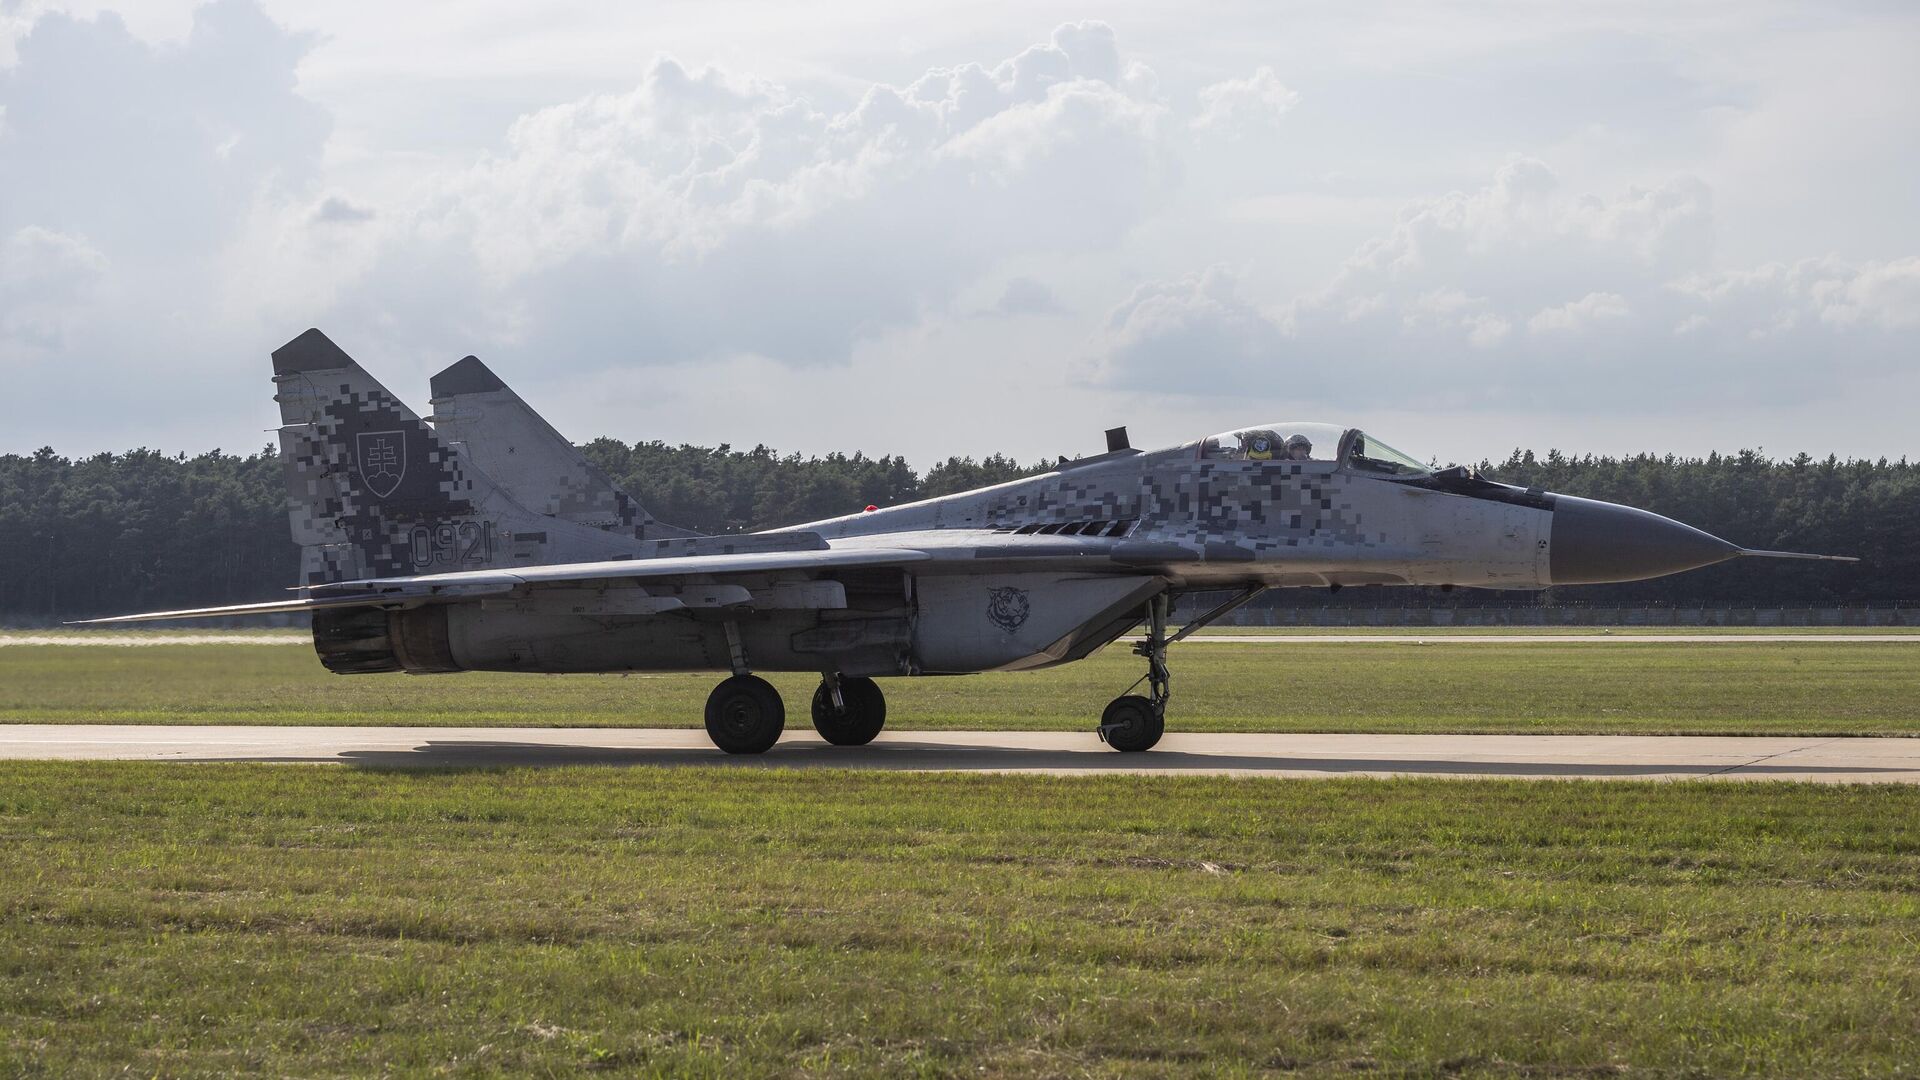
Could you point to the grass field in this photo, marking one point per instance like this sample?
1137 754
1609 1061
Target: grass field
289 920
1786 688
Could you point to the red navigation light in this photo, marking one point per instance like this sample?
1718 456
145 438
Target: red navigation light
870 509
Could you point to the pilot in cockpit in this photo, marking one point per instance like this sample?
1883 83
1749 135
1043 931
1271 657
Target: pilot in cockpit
1261 446
1299 448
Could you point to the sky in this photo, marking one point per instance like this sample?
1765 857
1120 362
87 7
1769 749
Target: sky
967 228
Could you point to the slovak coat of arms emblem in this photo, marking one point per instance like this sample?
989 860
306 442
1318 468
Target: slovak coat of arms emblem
383 460
1008 608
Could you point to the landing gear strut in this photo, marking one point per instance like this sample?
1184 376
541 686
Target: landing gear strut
1131 722
848 711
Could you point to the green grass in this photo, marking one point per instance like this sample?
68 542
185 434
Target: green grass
1784 688
292 920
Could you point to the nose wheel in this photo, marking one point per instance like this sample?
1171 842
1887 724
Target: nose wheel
1133 722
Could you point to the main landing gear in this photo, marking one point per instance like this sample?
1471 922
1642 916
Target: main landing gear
746 716
849 711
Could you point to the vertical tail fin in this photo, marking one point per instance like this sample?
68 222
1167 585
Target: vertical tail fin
479 414
372 491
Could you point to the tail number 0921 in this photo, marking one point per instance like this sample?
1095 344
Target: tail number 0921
452 543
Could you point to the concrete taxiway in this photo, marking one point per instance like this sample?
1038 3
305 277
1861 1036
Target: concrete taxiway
1619 757
149 638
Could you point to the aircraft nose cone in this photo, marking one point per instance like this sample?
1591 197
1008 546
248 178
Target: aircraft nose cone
1595 542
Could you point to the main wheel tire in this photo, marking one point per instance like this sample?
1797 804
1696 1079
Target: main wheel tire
745 715
864 716
1131 724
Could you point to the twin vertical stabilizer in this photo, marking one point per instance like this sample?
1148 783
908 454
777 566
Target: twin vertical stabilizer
372 491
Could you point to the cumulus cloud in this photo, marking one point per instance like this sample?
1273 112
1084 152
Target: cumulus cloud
46 278
1840 294
1886 293
1522 293
150 150
170 208
130 175
1245 107
1167 329
639 227
1591 310
1484 331
1025 296
704 214
340 210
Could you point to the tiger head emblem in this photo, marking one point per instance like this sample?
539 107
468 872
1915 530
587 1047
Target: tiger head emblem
1008 608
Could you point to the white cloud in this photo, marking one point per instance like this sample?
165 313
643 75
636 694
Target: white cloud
1167 332
131 174
1590 311
639 227
1620 300
1025 296
46 278
1886 293
1245 107
792 197
1847 297
154 150
340 210
1486 331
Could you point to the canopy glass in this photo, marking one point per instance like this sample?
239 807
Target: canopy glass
1292 441
1300 441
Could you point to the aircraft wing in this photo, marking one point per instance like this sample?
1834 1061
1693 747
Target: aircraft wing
978 550
479 584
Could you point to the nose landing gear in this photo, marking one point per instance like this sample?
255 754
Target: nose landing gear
1131 722
1134 722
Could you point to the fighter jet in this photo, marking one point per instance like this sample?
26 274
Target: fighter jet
483 541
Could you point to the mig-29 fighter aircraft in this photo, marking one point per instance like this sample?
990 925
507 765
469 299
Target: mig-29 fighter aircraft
481 540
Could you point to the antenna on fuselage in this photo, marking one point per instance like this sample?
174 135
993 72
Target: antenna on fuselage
1117 439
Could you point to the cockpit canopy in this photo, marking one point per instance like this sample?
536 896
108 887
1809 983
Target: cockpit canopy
1296 441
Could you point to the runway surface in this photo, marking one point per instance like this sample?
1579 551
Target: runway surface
148 638
1617 757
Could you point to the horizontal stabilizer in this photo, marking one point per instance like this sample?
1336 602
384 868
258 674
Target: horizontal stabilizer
1797 555
480 584
271 607
628 569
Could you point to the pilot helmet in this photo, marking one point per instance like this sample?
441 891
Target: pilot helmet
1262 446
1299 446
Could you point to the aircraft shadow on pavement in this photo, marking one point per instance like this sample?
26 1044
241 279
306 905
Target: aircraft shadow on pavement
947 757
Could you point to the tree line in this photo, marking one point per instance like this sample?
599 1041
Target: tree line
146 530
